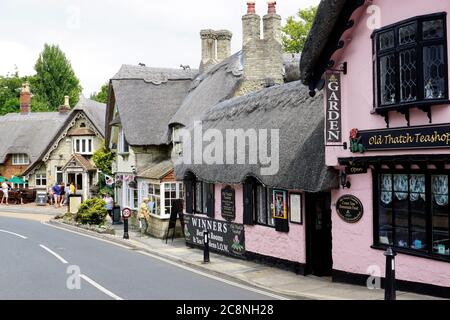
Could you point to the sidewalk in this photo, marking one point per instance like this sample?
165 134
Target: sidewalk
33 208
278 281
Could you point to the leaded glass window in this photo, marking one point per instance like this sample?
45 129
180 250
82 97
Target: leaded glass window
411 63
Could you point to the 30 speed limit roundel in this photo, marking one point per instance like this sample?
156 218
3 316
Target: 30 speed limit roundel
126 213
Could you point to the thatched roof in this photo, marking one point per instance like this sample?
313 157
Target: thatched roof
300 121
156 171
218 83
94 110
30 134
146 99
328 26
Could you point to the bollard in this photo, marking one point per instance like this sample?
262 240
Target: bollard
389 285
125 229
206 246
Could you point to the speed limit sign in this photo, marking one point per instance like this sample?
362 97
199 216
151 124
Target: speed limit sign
126 213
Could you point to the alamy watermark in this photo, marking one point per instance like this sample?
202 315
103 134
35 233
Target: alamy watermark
231 147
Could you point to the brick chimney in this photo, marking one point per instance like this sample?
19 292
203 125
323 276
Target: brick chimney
223 38
65 108
25 99
263 58
208 49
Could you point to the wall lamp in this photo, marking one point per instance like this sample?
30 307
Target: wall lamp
343 180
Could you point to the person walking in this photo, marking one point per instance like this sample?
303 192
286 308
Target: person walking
72 188
57 194
109 204
66 195
5 190
143 216
50 195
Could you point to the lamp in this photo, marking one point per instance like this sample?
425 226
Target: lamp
343 180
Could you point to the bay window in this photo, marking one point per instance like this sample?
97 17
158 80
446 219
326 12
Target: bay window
410 63
413 212
161 196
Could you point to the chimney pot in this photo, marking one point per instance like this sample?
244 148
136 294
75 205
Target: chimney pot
272 9
66 106
251 7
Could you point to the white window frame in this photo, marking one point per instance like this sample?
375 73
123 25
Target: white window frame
39 177
123 143
83 141
20 159
145 188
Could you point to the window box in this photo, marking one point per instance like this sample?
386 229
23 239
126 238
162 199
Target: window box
411 64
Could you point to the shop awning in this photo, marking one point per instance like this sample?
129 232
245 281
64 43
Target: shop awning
16 180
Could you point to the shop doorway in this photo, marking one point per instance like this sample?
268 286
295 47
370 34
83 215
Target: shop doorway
318 234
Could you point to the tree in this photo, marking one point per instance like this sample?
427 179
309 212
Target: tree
295 32
103 159
55 78
101 96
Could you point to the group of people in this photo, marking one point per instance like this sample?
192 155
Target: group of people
58 194
6 188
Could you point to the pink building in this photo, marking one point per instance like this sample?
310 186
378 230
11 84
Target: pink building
383 66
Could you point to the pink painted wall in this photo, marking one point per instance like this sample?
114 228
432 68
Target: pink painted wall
265 240
351 242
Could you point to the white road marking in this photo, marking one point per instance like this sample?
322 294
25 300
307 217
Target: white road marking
14 234
275 296
54 254
99 287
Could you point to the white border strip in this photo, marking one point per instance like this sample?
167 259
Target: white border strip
14 234
99 287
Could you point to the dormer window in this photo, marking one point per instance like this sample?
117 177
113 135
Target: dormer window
124 147
20 159
410 62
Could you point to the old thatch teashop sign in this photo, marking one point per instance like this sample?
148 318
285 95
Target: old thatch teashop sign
224 237
228 204
423 137
333 122
349 208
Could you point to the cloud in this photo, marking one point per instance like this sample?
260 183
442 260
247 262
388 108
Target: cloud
99 36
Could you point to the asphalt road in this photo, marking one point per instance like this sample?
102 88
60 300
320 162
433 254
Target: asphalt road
40 262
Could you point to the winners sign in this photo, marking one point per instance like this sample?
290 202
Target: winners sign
333 116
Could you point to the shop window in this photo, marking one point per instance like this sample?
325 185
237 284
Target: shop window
410 63
413 212
154 196
203 200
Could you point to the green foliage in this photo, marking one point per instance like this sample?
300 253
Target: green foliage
101 96
295 31
55 78
103 159
92 211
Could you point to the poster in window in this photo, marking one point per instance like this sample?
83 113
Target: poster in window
295 208
279 204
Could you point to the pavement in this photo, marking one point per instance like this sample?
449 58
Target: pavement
259 276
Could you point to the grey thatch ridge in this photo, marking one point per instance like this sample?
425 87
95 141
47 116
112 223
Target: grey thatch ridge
327 16
153 75
218 83
300 121
156 170
30 134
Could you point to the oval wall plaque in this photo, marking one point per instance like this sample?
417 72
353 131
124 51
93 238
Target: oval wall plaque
349 208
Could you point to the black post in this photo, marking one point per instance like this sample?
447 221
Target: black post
206 247
125 229
389 285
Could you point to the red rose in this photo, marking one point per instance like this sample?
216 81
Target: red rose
354 134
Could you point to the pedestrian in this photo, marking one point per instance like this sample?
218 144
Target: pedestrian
57 194
109 204
144 216
72 188
65 202
19 195
50 195
5 190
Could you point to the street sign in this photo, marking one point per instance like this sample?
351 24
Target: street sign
126 213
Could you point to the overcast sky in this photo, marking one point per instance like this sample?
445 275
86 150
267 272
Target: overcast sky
98 36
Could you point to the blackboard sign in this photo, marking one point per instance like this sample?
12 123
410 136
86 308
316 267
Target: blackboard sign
224 237
228 204
41 199
349 208
177 208
423 137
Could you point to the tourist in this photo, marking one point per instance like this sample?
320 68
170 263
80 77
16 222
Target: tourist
144 216
67 193
57 194
50 195
5 190
109 204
